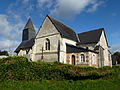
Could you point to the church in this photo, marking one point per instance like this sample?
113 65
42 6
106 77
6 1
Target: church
55 41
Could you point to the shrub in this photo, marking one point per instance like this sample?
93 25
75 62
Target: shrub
19 68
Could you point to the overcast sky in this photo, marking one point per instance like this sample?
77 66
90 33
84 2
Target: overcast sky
80 15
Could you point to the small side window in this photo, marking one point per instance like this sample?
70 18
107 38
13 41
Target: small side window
82 58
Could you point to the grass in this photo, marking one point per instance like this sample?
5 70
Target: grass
16 73
61 85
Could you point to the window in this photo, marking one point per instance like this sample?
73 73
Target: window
93 59
47 44
27 51
82 58
109 56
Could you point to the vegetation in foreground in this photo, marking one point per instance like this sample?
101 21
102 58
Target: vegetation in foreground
61 85
17 73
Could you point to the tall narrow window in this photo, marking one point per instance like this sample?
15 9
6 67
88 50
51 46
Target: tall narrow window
47 44
93 59
82 58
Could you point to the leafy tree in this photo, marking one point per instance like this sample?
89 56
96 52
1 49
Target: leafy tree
4 53
116 56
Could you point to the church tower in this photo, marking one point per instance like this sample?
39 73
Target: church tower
28 31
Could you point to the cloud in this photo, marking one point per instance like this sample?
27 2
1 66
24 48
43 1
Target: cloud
25 1
9 30
69 8
58 8
9 45
46 4
21 8
95 6
115 48
42 1
10 33
12 23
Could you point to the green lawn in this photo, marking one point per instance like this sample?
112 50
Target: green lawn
61 85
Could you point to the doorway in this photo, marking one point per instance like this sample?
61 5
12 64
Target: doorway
73 59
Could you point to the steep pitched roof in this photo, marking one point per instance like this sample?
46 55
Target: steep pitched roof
29 25
25 45
64 30
90 36
75 49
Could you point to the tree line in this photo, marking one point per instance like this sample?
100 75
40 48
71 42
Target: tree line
4 53
116 57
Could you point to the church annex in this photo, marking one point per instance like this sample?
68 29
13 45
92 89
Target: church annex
57 42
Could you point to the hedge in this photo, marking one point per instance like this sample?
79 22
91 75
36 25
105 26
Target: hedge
19 68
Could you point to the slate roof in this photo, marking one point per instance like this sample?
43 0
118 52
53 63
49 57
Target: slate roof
90 36
25 45
75 49
64 30
29 25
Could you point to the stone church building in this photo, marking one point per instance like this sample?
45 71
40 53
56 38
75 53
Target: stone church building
57 42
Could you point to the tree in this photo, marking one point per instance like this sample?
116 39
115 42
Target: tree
4 53
116 56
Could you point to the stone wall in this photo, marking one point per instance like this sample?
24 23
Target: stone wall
90 46
63 42
88 59
47 31
104 45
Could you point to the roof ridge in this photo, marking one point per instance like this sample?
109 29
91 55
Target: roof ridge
90 36
64 30
77 37
81 48
61 23
92 30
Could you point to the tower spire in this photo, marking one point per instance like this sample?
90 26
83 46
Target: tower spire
28 31
29 24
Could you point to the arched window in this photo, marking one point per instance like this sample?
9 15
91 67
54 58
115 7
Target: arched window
47 44
82 58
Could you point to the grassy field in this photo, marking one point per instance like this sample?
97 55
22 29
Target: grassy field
16 73
61 85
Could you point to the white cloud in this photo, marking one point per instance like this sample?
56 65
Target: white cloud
43 4
59 8
11 25
9 45
115 48
95 6
9 30
4 26
10 33
68 8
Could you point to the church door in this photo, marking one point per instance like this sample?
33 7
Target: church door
73 59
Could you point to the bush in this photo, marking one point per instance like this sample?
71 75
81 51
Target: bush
4 53
19 68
